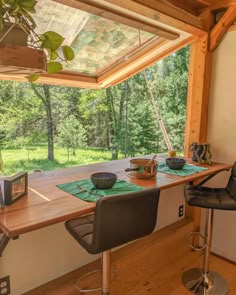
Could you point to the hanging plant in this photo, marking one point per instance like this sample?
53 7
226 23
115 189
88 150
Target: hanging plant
19 13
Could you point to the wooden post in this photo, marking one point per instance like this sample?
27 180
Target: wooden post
198 93
197 103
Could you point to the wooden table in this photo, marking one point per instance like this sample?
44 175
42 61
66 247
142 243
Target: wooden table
45 204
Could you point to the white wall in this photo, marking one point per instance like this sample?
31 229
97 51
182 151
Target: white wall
222 136
168 210
40 256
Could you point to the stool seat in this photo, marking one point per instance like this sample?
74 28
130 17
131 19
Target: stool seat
213 198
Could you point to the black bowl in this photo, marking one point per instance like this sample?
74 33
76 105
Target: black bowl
175 163
103 180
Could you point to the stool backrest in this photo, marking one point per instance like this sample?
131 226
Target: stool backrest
231 186
123 218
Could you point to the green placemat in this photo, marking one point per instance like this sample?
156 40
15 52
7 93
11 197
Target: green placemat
120 187
187 169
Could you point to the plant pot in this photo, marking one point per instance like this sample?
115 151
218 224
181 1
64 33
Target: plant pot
23 60
16 36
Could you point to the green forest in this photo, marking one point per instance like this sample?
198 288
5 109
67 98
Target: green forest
46 126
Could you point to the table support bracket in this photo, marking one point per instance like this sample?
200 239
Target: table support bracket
210 177
3 243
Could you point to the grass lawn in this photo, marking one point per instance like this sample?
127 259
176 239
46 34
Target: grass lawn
16 160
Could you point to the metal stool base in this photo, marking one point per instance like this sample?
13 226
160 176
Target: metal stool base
211 284
81 290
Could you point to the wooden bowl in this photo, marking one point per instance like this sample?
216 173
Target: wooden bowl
175 163
103 180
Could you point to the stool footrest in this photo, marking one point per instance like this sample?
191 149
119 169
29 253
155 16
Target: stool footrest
85 276
194 233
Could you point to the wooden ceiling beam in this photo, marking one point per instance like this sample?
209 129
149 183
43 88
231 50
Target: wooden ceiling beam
170 15
96 8
149 12
208 19
221 4
192 6
217 33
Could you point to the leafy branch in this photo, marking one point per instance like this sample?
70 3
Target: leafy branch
18 12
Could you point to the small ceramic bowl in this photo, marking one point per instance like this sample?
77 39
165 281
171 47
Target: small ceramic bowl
103 180
175 163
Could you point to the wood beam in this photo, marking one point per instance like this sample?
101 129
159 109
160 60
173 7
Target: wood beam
96 8
160 15
132 61
198 93
62 79
192 6
208 19
221 27
197 103
204 2
173 16
220 4
139 68
171 11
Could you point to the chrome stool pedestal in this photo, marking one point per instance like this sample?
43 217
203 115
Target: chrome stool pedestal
203 281
204 284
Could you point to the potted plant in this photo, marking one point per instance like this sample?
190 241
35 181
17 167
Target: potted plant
17 14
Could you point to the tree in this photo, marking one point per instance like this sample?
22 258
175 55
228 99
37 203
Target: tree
43 93
71 134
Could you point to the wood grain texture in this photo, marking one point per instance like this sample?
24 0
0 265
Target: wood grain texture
220 4
192 6
15 59
219 30
198 93
151 59
46 204
150 266
161 13
101 10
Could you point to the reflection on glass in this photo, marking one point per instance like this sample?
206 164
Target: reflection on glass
18 187
99 43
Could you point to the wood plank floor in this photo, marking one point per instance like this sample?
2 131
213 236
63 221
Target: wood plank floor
149 266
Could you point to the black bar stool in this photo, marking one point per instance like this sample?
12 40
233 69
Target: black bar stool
117 220
203 281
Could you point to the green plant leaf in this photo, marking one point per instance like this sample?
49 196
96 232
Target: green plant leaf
14 9
53 55
8 2
27 4
52 40
68 53
54 67
1 23
32 78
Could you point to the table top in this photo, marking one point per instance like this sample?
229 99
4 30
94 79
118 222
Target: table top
46 204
